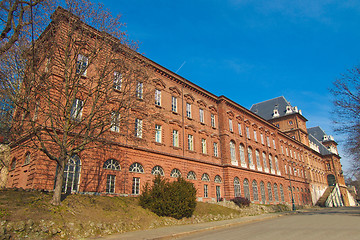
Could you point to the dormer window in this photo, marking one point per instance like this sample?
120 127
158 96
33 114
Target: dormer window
288 110
276 113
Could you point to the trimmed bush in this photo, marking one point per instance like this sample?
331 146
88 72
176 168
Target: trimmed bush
241 202
171 199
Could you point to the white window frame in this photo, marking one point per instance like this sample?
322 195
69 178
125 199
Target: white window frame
262 138
231 129
216 152
158 133
139 90
175 138
255 136
190 142
213 123
138 127
117 81
206 191
110 183
247 133
157 97
239 128
201 114
203 146
136 186
115 121
188 110
76 109
82 64
174 104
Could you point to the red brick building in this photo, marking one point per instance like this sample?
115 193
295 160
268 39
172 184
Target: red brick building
223 148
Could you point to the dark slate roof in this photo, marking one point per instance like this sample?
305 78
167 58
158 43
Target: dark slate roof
323 150
317 133
266 109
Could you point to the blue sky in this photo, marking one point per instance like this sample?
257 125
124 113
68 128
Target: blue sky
252 51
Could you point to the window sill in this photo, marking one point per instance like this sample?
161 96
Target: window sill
176 148
176 113
159 144
202 123
189 118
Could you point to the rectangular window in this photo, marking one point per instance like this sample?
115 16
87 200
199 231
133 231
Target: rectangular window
115 121
157 97
139 90
173 104
262 138
205 190
216 153
203 146
117 81
274 144
136 186
110 184
255 136
188 110
76 109
82 64
268 141
201 113
191 142
239 127
138 128
230 125
247 132
175 138
158 133
213 120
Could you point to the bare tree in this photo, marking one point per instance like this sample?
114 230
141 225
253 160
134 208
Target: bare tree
346 92
81 85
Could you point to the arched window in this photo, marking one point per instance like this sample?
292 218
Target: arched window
276 192
265 161
276 164
237 188
242 155
205 177
136 168
157 170
249 151
27 158
111 164
269 192
257 155
175 173
191 175
255 191
282 193
232 151
71 175
217 179
262 191
246 189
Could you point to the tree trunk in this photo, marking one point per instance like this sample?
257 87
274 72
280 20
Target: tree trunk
56 199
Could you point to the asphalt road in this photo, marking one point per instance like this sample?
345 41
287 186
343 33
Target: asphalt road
324 224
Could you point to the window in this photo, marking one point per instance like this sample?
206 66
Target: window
262 191
203 146
247 132
282 193
139 90
255 191
262 138
282 149
277 164
76 109
242 155
290 122
270 192
258 164
232 151
286 172
136 168
239 128
201 114
157 97
255 136
216 153
117 81
175 138
249 151
230 125
237 188
111 164
71 175
136 186
188 110
264 161
246 189
157 170
274 144
191 175
81 65
173 104
270 164
191 142
276 193
213 120
268 141
205 190
27 158
205 177
175 173
110 183
158 133
115 121
217 179
328 166
138 128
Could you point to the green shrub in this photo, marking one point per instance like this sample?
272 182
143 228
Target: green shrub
241 202
171 199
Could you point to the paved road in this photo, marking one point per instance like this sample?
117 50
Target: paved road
335 223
